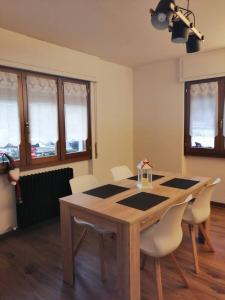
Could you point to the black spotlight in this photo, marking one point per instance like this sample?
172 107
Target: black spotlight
193 44
179 32
161 17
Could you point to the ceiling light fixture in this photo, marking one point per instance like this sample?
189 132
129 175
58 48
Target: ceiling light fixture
162 15
193 44
179 32
180 21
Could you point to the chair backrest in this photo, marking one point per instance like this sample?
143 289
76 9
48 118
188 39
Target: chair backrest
83 183
168 231
120 172
201 205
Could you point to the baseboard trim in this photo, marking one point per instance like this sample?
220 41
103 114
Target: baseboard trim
218 204
17 231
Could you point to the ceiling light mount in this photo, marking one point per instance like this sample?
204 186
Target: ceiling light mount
180 21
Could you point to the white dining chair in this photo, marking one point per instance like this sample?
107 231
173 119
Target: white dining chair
162 239
196 215
80 184
120 172
83 183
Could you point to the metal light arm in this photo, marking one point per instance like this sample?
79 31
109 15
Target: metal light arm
183 18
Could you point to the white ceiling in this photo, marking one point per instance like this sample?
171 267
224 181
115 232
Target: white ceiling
115 30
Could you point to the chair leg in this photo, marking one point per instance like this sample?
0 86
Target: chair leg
144 259
180 271
206 236
194 247
206 225
80 241
102 254
113 236
158 279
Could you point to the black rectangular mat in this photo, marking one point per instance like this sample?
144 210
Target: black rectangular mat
106 191
143 201
154 177
180 183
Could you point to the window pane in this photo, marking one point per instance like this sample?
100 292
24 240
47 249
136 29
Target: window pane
43 116
203 114
9 115
76 117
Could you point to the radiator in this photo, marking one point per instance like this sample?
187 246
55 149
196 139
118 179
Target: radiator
40 193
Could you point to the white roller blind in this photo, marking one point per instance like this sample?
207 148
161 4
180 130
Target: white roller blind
9 111
76 119
204 112
42 110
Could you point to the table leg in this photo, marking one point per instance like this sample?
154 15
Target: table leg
128 261
67 244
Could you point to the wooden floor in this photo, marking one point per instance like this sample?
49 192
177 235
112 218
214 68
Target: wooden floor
31 268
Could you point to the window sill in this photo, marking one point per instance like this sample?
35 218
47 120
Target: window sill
204 154
81 157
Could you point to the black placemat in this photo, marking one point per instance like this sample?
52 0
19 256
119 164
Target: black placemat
154 177
180 183
106 191
143 201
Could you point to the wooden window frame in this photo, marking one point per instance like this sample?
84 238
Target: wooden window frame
219 149
85 154
26 162
39 160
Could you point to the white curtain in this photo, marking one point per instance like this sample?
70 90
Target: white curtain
76 119
9 112
204 113
42 110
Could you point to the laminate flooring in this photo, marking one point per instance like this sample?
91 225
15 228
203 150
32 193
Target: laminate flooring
31 267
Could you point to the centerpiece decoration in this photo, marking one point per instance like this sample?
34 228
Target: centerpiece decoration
144 174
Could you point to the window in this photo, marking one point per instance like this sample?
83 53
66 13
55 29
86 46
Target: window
44 119
76 117
9 115
204 118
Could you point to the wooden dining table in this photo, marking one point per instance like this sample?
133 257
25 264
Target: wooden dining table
127 222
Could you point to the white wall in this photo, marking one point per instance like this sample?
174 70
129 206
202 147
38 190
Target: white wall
115 119
202 65
114 88
159 115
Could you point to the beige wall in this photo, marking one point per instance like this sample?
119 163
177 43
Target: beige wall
202 65
159 115
212 167
112 92
115 119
